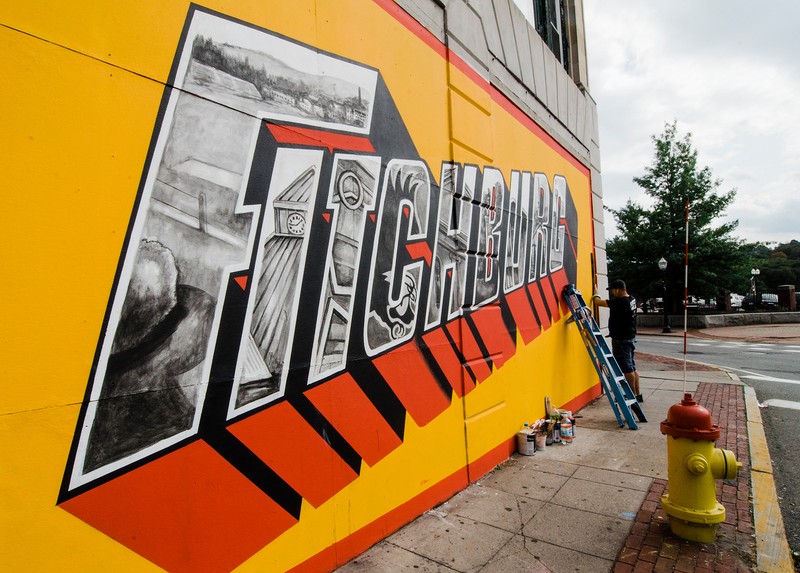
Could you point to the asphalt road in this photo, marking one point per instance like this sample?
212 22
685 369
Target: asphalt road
773 370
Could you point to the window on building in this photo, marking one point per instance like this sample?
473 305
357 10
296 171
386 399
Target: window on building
549 18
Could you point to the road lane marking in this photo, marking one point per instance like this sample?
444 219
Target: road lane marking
762 378
777 403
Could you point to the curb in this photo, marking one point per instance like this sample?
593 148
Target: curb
772 548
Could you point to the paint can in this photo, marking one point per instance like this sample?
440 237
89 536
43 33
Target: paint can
540 440
566 431
526 442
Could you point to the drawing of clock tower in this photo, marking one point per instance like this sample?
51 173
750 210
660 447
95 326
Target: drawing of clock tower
292 205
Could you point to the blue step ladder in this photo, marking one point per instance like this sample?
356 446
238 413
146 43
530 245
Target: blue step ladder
615 386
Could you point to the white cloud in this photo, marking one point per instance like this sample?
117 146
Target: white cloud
728 72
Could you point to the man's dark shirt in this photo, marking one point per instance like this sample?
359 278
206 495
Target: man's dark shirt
622 322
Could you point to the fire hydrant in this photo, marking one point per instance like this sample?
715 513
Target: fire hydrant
693 465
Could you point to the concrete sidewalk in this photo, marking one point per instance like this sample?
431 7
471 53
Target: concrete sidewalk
594 505
770 333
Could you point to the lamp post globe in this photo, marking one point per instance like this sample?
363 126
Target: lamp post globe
662 265
754 273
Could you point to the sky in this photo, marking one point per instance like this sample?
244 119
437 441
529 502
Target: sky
728 72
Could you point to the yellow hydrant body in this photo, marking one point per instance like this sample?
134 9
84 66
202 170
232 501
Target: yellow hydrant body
693 466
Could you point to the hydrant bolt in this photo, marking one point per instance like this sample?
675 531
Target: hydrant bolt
697 464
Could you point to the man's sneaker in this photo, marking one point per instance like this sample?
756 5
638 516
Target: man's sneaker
639 398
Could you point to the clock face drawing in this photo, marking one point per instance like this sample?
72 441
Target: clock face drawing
296 223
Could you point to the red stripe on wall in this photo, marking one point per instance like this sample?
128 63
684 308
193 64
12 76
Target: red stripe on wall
413 26
445 356
187 512
359 541
473 356
409 377
538 303
497 96
500 343
355 417
522 311
282 438
318 138
583 398
489 461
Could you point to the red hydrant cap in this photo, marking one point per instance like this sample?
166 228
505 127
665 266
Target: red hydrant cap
689 420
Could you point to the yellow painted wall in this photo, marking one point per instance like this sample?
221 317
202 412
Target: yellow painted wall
85 84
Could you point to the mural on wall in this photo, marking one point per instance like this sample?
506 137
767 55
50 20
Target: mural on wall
392 301
193 228
351 199
288 237
278 275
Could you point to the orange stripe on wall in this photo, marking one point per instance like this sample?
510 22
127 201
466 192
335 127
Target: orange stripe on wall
361 540
442 351
583 399
345 405
521 310
473 356
282 438
410 378
538 302
494 333
489 461
318 138
188 512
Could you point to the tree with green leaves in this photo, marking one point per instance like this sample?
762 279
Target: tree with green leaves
717 261
777 265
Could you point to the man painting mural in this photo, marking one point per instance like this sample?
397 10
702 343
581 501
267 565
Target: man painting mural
622 329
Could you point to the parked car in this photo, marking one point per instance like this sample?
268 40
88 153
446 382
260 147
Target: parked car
736 301
763 301
653 305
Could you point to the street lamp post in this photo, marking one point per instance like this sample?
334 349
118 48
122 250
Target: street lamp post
753 274
662 265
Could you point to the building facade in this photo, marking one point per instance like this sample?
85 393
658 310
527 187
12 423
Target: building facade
292 270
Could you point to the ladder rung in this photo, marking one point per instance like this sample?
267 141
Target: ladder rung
615 385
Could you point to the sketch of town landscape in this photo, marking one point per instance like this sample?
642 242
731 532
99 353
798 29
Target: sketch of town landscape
192 229
277 79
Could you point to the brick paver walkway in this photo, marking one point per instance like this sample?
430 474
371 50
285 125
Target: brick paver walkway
651 546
